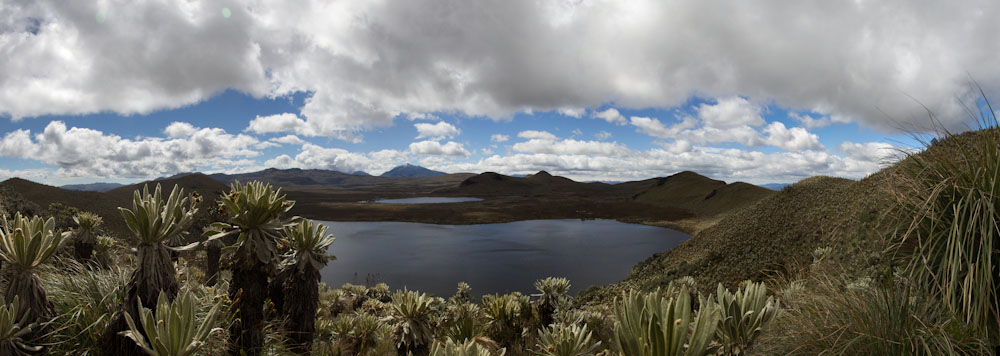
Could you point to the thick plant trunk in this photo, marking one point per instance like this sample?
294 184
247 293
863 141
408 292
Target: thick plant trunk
28 289
248 291
83 250
301 292
276 290
154 273
212 258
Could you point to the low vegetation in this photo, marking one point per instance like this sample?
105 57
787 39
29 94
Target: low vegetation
903 262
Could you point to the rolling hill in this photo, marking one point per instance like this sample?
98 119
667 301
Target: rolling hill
538 184
701 195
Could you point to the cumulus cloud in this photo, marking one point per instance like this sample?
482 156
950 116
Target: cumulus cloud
435 148
611 115
727 164
570 146
366 62
793 139
499 138
438 131
317 157
877 152
83 152
288 140
602 135
179 129
534 134
730 112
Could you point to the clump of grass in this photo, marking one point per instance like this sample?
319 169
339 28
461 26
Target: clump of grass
882 319
951 242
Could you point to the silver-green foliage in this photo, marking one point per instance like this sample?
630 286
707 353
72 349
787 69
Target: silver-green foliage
563 340
255 211
14 327
411 319
469 348
26 242
155 221
173 330
743 315
309 242
87 224
656 324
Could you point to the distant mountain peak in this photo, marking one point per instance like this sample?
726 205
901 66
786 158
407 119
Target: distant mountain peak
409 171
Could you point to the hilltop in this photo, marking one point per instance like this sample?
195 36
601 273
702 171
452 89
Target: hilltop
411 171
702 195
538 184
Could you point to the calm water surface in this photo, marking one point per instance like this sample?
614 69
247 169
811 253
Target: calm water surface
492 258
427 200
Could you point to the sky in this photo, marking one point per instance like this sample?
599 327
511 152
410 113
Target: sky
754 91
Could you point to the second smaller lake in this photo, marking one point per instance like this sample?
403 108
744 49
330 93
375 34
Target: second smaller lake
427 200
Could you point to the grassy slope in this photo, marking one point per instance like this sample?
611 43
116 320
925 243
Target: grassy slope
776 233
701 195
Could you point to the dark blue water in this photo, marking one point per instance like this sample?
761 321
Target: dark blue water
492 258
427 200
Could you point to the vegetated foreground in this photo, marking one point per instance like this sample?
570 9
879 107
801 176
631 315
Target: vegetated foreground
899 263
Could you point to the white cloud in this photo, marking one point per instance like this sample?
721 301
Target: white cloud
602 135
366 63
730 112
286 122
266 144
793 139
78 152
179 129
499 138
818 120
577 132
435 148
438 131
288 140
533 134
571 146
877 152
611 115
573 112
316 157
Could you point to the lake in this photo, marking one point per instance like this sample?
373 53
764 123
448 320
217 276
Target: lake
426 200
492 258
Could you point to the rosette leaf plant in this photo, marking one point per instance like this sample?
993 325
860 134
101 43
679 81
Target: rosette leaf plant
308 242
173 330
26 243
85 234
154 221
14 328
657 324
256 217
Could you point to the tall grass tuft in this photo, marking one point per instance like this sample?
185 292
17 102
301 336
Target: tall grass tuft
882 319
950 196
84 301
